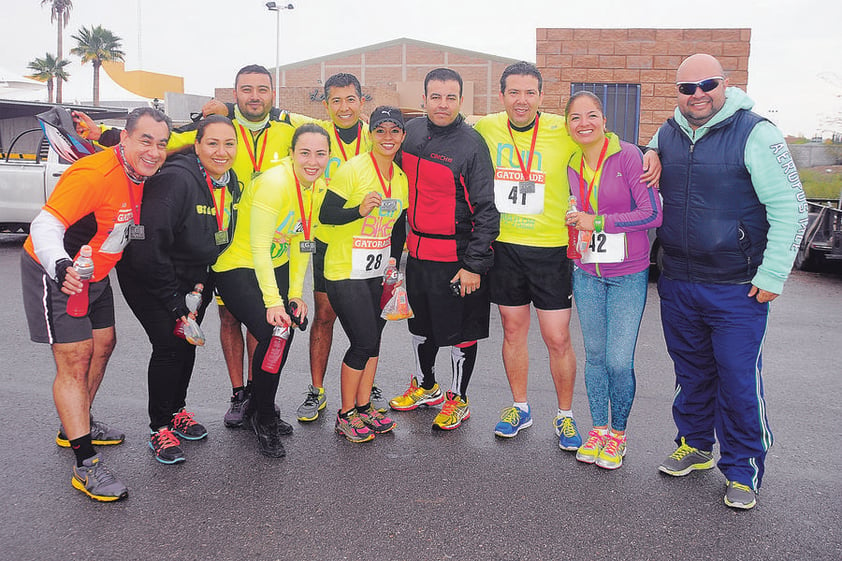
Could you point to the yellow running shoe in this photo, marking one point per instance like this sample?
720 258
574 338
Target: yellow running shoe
416 396
453 412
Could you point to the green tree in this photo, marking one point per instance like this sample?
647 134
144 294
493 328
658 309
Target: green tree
96 45
60 15
49 69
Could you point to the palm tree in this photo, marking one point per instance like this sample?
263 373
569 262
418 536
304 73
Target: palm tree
96 45
60 14
47 69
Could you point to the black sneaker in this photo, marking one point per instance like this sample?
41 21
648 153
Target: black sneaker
234 416
166 446
268 436
184 426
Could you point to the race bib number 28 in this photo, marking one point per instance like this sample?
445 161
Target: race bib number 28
369 257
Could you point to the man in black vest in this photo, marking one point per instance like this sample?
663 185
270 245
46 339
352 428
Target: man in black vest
734 216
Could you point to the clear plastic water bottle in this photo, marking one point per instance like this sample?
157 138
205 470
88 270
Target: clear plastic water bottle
275 353
572 233
391 276
77 304
191 331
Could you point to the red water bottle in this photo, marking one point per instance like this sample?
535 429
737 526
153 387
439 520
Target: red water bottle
572 232
390 279
272 360
77 304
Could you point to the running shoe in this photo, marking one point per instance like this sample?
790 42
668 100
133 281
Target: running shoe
416 396
686 459
353 428
377 400
589 451
101 435
186 427
740 496
568 435
377 421
268 436
313 403
94 479
613 450
233 418
453 412
512 421
167 446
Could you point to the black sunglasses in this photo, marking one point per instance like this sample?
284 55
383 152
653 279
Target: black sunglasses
689 88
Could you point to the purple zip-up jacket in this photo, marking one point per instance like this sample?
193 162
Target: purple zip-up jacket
627 204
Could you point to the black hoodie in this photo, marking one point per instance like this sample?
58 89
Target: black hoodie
180 224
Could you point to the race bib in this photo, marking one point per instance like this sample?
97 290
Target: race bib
118 238
605 248
513 195
369 257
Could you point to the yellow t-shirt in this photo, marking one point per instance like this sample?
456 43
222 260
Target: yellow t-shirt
339 151
531 213
360 249
269 231
254 153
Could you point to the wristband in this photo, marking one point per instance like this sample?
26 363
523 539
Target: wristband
598 223
61 269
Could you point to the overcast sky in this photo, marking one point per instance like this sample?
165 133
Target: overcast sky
793 44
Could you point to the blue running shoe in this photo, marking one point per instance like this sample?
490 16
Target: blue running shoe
512 420
568 435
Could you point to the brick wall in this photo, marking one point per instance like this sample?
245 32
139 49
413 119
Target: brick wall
648 57
307 100
380 68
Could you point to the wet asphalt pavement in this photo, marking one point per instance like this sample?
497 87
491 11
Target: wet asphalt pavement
418 494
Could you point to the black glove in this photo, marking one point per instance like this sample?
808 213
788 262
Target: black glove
176 306
61 269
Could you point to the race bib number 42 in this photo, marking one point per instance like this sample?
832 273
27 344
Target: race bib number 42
514 195
605 248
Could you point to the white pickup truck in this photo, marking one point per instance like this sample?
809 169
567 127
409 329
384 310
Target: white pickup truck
26 180
29 168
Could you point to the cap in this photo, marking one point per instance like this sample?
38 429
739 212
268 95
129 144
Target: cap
383 114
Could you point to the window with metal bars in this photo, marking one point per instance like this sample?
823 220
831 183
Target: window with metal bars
622 106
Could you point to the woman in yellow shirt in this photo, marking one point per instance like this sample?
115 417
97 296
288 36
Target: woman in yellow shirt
262 272
364 215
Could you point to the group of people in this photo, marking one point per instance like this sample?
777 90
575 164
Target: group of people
524 208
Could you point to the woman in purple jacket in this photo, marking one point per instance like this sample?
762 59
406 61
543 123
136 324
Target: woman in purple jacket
610 280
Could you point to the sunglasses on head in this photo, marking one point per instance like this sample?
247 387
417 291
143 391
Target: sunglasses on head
689 88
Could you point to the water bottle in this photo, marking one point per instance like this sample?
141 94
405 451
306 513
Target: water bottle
77 304
391 276
572 233
191 331
272 360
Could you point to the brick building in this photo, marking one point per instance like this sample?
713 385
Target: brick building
390 73
633 70
619 63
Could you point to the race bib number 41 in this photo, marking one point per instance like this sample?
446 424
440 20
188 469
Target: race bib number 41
514 195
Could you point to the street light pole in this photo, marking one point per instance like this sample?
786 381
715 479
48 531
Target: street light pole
274 7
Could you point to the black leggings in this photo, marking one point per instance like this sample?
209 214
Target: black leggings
171 363
242 296
357 304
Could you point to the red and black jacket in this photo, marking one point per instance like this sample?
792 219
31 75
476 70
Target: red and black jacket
451 216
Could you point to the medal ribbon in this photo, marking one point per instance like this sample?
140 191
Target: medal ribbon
248 139
305 223
341 144
217 210
586 201
525 169
134 202
387 190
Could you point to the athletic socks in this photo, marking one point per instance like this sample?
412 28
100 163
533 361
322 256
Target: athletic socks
463 359
425 361
82 448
